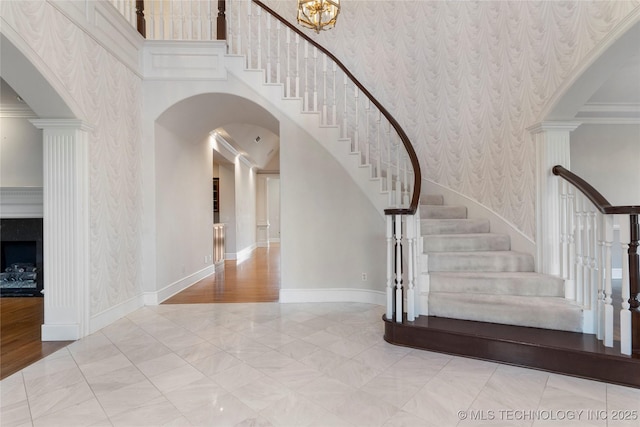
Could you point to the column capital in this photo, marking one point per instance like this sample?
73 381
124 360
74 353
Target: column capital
567 126
74 124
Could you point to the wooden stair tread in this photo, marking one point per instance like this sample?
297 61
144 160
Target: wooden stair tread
569 353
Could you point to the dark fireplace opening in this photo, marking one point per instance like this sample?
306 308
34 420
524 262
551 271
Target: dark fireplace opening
21 259
17 253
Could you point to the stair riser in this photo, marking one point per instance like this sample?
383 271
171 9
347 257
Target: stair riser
464 243
443 212
540 286
453 226
539 316
431 199
478 262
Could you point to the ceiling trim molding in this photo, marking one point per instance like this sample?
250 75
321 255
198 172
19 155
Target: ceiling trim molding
17 112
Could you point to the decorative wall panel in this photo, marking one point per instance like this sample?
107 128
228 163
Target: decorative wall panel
465 80
109 96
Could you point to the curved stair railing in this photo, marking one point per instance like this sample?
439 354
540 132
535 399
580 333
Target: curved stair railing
587 223
309 72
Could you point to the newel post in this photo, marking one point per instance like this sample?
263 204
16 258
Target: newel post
552 148
141 23
221 22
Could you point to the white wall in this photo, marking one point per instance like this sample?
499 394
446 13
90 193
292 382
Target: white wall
273 208
466 79
608 158
228 208
184 215
92 63
330 232
20 153
245 207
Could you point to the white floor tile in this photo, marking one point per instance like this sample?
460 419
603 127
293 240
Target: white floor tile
287 365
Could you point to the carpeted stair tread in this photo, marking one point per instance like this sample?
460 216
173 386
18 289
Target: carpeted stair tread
432 199
453 226
538 312
498 283
443 212
480 261
466 242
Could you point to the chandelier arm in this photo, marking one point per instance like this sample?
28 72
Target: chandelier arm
413 157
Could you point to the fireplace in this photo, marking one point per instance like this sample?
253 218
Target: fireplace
21 259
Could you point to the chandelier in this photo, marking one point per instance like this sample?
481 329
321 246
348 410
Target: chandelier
318 14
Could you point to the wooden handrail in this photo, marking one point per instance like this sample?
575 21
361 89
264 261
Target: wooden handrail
417 176
603 205
593 195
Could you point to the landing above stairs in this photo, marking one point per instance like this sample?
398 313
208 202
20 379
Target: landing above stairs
569 353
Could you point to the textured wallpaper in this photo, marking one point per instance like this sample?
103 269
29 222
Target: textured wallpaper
109 95
465 80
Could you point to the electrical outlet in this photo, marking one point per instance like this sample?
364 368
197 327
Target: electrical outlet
364 277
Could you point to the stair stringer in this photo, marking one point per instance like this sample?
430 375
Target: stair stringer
327 136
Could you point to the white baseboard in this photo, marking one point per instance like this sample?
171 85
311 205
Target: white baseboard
366 296
241 255
60 332
274 240
263 244
114 313
155 298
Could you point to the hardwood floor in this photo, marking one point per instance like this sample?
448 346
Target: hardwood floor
20 345
255 280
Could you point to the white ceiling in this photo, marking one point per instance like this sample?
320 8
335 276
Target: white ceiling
239 120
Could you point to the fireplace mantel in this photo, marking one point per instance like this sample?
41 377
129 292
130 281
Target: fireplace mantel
21 202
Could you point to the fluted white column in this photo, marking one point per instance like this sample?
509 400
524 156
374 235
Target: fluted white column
552 148
66 228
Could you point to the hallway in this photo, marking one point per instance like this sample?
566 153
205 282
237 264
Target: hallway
256 279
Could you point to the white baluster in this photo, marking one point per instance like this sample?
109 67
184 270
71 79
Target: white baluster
249 38
334 121
607 315
306 78
324 119
579 251
367 144
398 265
398 199
268 73
287 84
564 238
411 242
571 283
259 37
378 174
297 77
344 111
278 53
388 166
390 271
356 138
314 105
625 314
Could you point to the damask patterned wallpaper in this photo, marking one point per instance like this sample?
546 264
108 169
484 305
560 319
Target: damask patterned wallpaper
109 95
465 80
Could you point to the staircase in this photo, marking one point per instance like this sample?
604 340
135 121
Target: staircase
473 274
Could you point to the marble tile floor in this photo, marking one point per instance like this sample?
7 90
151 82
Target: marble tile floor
271 364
